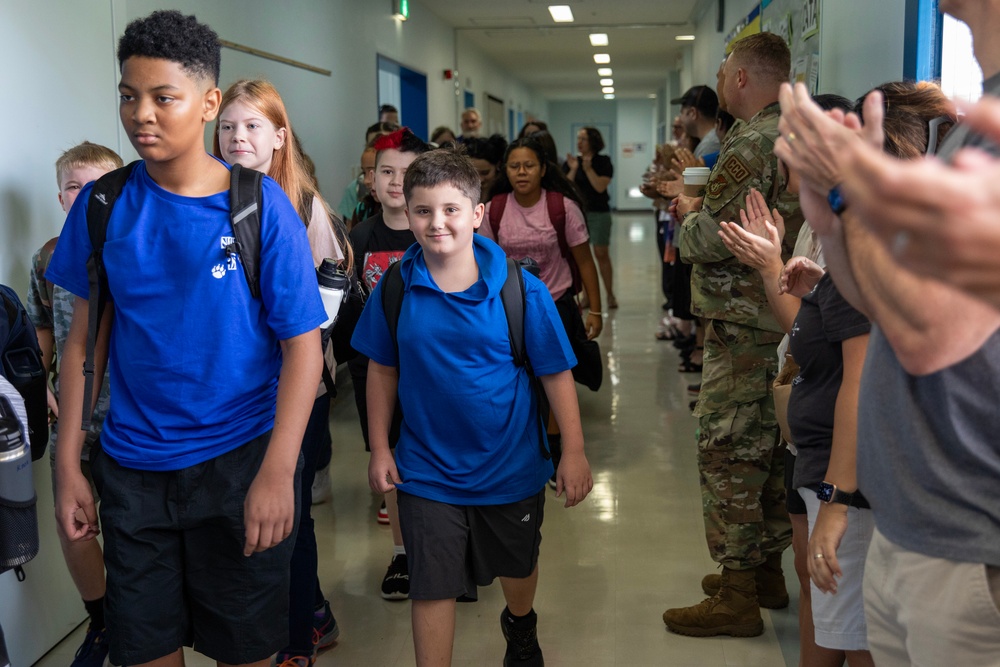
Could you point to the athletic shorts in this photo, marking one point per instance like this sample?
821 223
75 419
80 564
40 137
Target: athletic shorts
177 576
792 498
451 549
599 227
839 619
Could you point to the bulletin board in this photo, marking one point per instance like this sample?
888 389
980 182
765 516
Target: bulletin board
798 21
795 20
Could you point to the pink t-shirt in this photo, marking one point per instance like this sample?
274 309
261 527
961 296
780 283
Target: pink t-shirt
527 232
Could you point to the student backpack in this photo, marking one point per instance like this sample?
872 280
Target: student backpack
555 203
512 296
244 217
21 365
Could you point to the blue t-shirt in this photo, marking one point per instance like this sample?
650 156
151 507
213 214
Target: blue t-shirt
470 430
194 359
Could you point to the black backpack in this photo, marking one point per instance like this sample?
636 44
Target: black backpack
512 295
21 365
244 216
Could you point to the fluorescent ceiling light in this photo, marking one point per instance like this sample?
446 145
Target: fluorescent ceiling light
602 58
607 82
561 13
684 38
609 96
598 39
603 71
652 96
607 89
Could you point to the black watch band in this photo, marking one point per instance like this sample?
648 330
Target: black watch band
829 493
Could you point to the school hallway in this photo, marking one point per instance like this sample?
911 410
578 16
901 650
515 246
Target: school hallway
608 568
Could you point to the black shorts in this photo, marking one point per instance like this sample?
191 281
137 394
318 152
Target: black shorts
681 300
451 549
173 548
792 498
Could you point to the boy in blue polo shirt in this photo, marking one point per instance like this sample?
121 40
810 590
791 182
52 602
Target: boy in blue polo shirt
210 387
468 469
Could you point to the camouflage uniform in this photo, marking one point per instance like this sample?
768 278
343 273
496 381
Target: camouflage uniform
51 307
739 459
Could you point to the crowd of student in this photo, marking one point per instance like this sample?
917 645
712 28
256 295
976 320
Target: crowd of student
794 267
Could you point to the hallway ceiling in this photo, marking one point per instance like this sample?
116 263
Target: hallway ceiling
557 59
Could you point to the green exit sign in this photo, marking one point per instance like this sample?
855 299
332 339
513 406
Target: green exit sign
401 9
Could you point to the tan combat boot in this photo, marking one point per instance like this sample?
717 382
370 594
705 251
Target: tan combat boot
732 611
771 590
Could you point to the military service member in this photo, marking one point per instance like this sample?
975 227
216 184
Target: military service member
739 459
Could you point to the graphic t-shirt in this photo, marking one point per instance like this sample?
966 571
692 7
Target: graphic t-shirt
194 358
376 246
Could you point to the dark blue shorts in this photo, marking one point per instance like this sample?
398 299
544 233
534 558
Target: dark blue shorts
173 548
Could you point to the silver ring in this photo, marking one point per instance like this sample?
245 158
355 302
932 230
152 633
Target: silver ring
791 137
899 243
819 556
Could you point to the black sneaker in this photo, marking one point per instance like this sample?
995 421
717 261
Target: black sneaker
93 652
522 640
396 584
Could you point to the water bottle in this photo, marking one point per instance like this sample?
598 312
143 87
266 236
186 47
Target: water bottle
16 482
332 288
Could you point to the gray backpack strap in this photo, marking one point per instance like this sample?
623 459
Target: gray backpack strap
245 199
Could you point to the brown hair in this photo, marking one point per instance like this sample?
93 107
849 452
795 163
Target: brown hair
86 154
765 54
910 107
443 166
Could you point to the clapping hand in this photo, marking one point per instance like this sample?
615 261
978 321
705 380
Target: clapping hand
757 243
684 158
799 276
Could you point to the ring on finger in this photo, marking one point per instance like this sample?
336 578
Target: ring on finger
818 556
791 137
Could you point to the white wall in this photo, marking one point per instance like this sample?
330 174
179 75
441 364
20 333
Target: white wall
633 122
710 45
861 45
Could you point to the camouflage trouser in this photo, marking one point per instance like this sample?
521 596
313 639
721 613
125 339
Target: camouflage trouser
740 460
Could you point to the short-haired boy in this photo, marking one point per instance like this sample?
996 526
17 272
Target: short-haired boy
469 469
210 388
51 310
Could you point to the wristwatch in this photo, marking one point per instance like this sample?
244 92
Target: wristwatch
836 200
829 493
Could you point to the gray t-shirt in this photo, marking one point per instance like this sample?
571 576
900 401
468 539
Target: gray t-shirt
929 446
709 144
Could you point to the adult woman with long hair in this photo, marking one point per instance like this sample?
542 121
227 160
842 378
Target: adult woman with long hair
527 193
591 172
254 130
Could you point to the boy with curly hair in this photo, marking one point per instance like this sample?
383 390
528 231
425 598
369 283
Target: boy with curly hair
210 387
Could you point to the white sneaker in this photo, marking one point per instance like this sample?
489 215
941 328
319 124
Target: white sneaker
321 490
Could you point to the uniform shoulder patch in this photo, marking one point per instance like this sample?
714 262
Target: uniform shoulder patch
737 169
717 186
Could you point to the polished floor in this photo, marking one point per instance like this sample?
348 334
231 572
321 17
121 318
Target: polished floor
608 568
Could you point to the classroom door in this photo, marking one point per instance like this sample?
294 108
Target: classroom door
405 89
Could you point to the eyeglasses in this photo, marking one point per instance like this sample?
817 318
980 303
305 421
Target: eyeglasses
517 166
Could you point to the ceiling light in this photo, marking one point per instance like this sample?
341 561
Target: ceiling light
598 39
603 71
652 96
607 82
602 58
561 13
609 96
684 38
607 89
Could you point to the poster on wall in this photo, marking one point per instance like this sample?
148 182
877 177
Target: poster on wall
810 19
798 23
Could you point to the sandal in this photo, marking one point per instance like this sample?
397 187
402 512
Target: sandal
670 333
688 366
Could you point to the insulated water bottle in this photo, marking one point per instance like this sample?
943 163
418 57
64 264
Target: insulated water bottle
332 288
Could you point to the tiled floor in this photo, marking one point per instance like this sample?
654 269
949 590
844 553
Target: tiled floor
608 567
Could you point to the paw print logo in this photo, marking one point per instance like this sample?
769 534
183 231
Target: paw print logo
219 270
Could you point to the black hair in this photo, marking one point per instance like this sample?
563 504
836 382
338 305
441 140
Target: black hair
549 144
830 101
727 119
595 139
553 180
540 124
402 140
170 35
387 108
380 128
443 166
491 149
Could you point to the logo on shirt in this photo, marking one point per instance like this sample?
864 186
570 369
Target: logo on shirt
228 245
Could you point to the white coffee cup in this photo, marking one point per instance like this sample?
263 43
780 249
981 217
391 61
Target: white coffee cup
695 180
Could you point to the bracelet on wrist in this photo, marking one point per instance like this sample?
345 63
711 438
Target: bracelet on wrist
595 313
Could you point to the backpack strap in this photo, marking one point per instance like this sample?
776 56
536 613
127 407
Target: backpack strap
102 200
245 196
392 301
556 205
497 206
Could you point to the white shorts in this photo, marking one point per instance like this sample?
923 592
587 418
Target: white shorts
839 618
